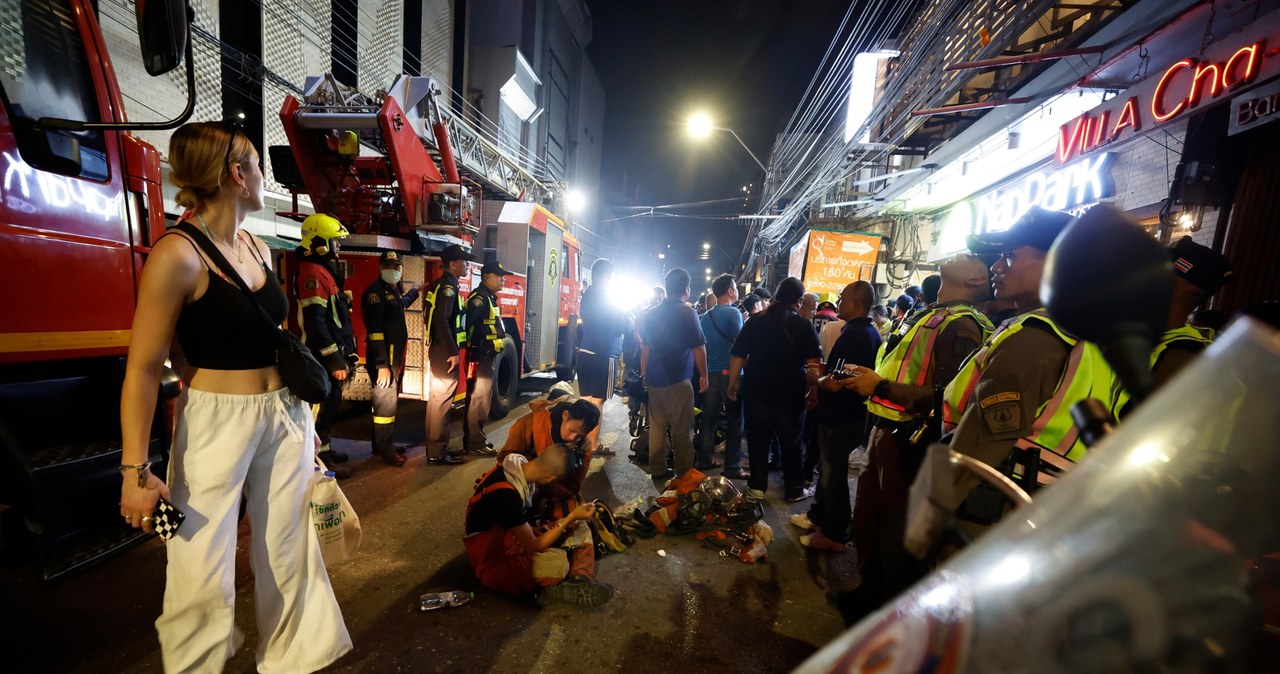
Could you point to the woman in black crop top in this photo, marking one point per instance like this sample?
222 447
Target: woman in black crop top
239 431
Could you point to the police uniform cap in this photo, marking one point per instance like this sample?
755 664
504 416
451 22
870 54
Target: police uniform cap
1038 228
1201 266
455 252
905 302
391 257
493 267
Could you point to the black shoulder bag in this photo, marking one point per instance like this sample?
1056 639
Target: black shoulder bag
299 370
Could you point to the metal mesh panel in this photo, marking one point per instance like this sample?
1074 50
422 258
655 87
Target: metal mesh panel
295 44
380 45
411 386
414 352
437 40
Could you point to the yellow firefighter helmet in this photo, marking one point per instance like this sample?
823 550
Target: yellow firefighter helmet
323 227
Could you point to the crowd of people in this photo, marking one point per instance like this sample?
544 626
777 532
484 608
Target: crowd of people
804 379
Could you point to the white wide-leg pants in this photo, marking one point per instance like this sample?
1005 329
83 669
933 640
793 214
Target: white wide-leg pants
261 446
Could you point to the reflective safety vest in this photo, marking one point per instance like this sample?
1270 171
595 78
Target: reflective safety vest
1182 333
489 324
459 333
1053 434
909 360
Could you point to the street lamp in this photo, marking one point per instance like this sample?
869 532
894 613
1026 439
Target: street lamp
706 245
575 201
701 126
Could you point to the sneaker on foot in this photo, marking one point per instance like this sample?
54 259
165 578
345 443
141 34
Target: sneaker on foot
802 495
819 541
446 460
577 591
802 520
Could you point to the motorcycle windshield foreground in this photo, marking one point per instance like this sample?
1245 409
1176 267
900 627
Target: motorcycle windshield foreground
1159 553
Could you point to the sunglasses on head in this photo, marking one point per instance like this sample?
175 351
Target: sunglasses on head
235 128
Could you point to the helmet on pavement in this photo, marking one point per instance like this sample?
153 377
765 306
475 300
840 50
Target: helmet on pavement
720 489
322 227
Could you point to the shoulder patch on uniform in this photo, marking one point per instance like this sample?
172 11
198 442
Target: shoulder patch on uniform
374 298
477 301
1011 396
311 283
391 297
935 320
448 291
1005 417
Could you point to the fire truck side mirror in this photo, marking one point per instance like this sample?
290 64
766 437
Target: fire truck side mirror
162 33
1110 282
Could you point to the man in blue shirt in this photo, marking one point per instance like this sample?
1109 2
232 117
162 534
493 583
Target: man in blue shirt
721 325
672 343
603 326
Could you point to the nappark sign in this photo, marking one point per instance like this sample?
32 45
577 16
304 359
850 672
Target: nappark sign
1226 69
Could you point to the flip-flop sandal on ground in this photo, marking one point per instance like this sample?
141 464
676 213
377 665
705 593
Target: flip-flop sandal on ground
604 451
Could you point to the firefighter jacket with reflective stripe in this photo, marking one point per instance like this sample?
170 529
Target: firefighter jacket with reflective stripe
1188 338
382 306
1052 433
324 313
484 325
444 314
911 357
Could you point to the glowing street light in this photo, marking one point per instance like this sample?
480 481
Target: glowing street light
575 200
700 126
706 245
662 256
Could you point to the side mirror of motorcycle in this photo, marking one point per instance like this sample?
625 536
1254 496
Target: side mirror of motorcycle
1108 281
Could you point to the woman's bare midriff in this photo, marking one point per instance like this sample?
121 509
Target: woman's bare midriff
238 382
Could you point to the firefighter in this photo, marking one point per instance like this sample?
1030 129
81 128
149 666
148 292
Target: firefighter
445 337
325 317
927 352
386 337
484 341
1010 404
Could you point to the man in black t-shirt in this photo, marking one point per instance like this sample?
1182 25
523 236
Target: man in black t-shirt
781 354
841 417
504 550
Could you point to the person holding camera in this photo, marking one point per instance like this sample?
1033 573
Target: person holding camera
505 549
841 418
566 422
326 321
485 337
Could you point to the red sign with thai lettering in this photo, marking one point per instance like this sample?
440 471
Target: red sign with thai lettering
1225 69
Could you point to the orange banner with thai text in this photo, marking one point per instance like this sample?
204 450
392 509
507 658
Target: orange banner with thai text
837 259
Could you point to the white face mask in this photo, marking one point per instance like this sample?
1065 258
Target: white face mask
391 276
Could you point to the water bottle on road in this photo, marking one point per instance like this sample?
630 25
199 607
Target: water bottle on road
435 600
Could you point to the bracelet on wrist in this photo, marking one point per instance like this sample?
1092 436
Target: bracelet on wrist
143 469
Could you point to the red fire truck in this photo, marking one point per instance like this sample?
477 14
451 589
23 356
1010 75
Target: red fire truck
80 207
372 164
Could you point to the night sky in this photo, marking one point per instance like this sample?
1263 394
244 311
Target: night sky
744 62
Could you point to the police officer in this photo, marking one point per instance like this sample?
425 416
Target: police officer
445 336
325 321
1010 404
1199 273
484 342
928 351
386 337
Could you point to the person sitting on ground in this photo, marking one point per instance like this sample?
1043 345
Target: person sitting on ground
565 421
506 552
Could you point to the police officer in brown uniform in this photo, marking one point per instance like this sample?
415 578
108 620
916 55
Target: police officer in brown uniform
445 337
386 337
484 341
1009 406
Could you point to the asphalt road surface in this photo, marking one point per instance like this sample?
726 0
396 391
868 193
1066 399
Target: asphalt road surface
686 609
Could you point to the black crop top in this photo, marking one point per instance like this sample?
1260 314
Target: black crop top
223 330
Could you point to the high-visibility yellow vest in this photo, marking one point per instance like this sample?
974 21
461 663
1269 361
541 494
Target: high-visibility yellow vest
1085 375
459 333
490 323
1182 333
909 360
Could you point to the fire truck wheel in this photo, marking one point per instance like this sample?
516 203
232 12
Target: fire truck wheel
506 384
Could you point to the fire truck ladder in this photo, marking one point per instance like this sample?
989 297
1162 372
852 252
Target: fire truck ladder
330 104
